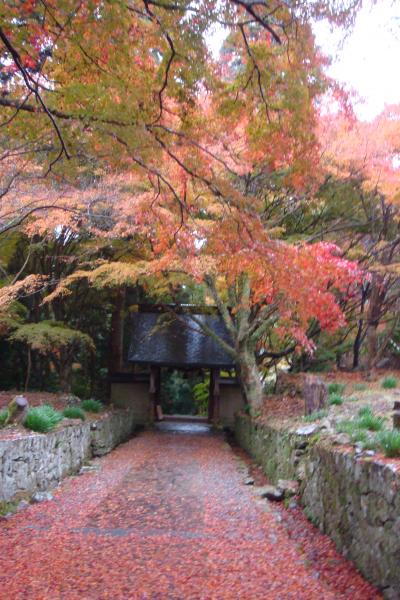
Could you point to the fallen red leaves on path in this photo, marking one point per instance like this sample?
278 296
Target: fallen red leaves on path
166 517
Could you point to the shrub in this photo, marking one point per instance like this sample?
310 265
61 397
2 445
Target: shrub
389 383
3 417
335 399
365 410
91 405
370 421
389 440
336 388
317 414
42 418
74 412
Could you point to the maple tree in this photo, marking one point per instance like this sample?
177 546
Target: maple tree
147 139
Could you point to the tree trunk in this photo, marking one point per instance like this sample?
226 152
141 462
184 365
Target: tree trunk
376 300
250 380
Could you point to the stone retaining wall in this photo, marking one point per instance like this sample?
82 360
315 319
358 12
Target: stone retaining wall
38 461
356 501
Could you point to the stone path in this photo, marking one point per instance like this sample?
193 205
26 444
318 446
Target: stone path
166 516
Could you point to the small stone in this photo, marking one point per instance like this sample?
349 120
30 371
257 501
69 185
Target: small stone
307 430
88 469
288 487
292 504
41 497
370 452
249 481
22 505
270 492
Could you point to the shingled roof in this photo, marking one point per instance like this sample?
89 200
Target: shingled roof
168 341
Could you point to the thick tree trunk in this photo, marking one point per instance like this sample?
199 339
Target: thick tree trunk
376 300
250 380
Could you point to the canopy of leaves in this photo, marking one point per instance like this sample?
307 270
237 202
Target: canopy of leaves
50 336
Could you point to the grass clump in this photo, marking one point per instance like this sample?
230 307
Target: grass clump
389 440
7 507
91 405
42 418
336 388
3 417
335 399
367 420
389 382
316 415
74 412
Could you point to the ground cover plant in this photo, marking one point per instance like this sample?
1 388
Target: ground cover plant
42 418
91 405
336 388
74 412
3 417
389 440
335 399
389 382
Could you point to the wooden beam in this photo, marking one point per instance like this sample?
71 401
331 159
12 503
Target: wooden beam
215 395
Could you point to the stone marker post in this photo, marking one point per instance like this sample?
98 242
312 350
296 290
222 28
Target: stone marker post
315 394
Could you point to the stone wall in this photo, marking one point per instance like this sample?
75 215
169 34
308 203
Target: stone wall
38 461
356 501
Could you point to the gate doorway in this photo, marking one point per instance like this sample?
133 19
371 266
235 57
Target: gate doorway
185 394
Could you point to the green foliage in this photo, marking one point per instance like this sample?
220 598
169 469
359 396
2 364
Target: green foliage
316 415
247 409
91 405
7 507
365 411
177 393
389 382
367 420
358 434
201 395
48 336
336 388
389 440
3 417
42 418
74 412
335 399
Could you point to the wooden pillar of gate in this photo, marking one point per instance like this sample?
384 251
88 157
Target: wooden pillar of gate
213 405
154 391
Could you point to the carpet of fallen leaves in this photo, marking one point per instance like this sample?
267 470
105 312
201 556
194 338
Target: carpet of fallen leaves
166 516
